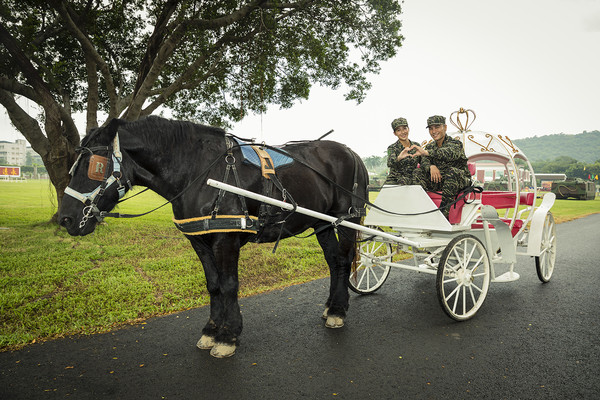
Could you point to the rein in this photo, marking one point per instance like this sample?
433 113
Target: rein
90 199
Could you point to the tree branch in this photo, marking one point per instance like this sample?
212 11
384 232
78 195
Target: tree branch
44 96
27 125
169 45
11 85
157 37
89 49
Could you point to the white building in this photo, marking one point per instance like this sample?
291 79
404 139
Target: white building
13 153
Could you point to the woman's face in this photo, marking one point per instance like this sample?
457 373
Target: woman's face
401 133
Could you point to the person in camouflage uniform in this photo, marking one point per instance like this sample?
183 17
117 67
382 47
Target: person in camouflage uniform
443 164
400 155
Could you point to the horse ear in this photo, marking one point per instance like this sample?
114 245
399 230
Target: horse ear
113 126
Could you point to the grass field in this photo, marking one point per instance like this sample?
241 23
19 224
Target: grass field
52 284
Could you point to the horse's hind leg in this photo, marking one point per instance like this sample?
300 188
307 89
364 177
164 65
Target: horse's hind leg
339 255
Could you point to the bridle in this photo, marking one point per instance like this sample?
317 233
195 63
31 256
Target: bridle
99 169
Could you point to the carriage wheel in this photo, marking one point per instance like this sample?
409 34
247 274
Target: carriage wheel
463 277
544 263
369 275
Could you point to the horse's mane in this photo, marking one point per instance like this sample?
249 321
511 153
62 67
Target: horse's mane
158 129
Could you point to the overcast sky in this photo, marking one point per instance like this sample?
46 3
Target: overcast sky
526 67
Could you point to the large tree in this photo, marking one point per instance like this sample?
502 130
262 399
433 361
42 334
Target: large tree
205 60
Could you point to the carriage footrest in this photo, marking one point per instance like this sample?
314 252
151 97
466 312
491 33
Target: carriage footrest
218 224
509 276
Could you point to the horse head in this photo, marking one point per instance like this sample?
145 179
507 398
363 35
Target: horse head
97 183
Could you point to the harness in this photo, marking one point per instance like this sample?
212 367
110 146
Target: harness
216 223
98 170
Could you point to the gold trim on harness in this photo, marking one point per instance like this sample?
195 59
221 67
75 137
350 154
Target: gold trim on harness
217 224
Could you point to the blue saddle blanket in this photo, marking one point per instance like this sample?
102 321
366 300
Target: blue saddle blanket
280 158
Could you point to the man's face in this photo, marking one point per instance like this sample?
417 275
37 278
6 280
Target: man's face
437 132
401 132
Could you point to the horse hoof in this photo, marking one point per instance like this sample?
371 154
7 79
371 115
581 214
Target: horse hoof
334 322
206 342
222 350
324 316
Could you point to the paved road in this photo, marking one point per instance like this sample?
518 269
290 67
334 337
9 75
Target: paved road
529 341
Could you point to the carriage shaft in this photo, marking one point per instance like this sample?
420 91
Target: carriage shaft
308 212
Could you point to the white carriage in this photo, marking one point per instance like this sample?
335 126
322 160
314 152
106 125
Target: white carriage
480 241
476 246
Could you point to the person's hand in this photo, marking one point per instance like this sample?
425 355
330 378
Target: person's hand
404 153
419 151
435 174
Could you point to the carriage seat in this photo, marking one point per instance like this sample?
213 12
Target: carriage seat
501 200
455 210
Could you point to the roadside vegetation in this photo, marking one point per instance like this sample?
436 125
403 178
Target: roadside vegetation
52 284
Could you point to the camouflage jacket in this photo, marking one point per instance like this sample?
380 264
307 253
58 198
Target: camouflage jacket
450 154
404 167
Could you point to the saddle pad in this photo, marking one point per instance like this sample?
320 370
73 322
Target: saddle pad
250 156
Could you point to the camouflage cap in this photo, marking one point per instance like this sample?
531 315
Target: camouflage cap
399 122
436 120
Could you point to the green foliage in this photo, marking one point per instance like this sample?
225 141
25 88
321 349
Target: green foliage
583 147
211 61
568 166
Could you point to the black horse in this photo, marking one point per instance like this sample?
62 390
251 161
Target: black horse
175 159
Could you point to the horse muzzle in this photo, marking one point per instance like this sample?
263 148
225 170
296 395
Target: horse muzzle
76 226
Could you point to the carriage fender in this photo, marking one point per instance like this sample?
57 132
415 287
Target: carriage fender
537 224
503 234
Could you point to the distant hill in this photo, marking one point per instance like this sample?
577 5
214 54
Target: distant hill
584 146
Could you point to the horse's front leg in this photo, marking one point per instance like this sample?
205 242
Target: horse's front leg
220 262
206 256
339 256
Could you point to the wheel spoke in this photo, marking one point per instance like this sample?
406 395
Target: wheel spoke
453 292
457 295
476 287
450 280
477 264
458 257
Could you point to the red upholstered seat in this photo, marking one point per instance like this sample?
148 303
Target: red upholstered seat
527 198
472 168
455 210
501 200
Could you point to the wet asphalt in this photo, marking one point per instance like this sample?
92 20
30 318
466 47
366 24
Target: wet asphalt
529 341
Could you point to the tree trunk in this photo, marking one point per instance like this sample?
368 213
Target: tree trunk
58 161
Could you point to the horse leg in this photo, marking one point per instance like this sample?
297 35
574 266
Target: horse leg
209 332
226 250
339 255
219 261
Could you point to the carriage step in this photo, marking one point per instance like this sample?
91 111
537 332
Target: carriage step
509 276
